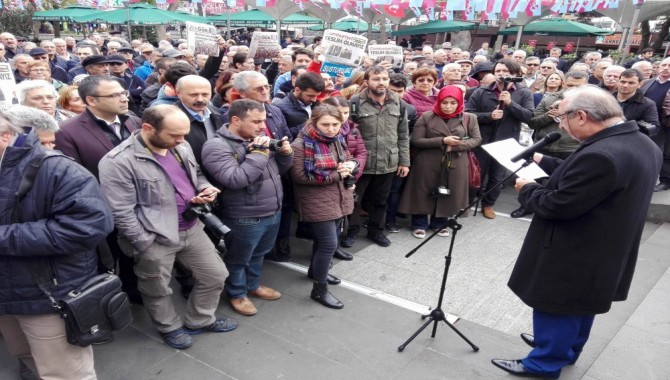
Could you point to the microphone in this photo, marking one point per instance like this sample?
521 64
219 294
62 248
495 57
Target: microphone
528 152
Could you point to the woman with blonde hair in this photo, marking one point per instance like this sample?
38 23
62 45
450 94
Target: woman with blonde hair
70 101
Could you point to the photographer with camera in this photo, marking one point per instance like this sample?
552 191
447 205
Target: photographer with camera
323 175
151 181
500 107
248 164
438 184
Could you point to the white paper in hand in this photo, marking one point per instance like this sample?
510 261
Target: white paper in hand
503 151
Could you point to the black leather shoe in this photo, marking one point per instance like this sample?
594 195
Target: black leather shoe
379 238
321 295
661 187
520 213
332 280
516 368
528 339
342 255
348 241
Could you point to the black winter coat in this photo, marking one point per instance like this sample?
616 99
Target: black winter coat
65 218
296 116
484 101
640 108
580 251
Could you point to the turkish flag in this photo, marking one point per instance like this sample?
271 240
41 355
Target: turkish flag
394 11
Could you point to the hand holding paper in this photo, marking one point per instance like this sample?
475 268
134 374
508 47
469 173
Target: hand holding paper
503 151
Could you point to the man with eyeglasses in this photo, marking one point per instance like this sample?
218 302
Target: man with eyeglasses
581 248
88 137
545 121
532 65
547 67
57 72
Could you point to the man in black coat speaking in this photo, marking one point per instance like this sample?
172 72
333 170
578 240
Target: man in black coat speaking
580 251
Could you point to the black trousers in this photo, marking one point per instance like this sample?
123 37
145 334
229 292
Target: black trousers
375 189
662 139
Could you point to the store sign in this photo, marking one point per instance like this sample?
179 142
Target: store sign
615 39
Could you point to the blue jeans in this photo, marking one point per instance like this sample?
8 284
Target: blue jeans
250 239
420 222
325 244
393 200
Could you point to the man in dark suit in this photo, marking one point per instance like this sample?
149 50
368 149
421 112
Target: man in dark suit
657 89
574 261
194 94
88 137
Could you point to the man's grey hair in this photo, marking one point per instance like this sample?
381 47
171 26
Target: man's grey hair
599 104
38 120
115 43
639 64
23 88
451 66
7 125
58 41
241 82
577 74
614 68
576 67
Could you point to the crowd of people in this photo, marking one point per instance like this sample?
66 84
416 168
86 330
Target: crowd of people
157 134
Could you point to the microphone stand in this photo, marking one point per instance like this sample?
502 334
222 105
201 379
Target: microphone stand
437 315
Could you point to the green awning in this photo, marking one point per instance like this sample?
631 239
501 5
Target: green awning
252 18
298 18
141 14
64 14
437 26
348 26
558 27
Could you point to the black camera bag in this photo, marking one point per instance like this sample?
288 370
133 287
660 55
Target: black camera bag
94 309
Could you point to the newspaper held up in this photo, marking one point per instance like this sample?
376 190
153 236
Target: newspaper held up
342 49
264 45
201 39
7 87
389 53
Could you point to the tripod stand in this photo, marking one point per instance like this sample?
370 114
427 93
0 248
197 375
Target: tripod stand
437 314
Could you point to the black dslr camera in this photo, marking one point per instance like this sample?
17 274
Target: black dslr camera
350 181
211 222
441 191
647 128
273 145
508 80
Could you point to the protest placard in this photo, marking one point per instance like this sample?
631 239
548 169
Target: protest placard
264 45
7 86
342 49
201 39
389 53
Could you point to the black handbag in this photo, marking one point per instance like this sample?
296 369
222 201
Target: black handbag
96 308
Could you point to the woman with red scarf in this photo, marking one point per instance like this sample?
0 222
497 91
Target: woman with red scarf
441 137
321 164
422 94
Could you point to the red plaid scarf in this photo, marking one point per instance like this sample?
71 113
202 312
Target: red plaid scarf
319 161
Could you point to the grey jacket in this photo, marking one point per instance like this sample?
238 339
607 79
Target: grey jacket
141 195
250 182
385 132
543 124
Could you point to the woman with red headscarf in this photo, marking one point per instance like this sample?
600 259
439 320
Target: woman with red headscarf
437 186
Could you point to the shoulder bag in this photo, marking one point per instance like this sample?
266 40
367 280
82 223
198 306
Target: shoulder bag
474 170
96 308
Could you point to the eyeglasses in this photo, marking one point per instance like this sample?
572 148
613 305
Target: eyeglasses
147 52
262 88
559 118
422 80
115 96
49 98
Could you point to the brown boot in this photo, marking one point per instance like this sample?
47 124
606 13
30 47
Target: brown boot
265 293
488 212
243 306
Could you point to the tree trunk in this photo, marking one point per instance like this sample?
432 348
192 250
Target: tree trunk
662 36
645 31
56 25
161 29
